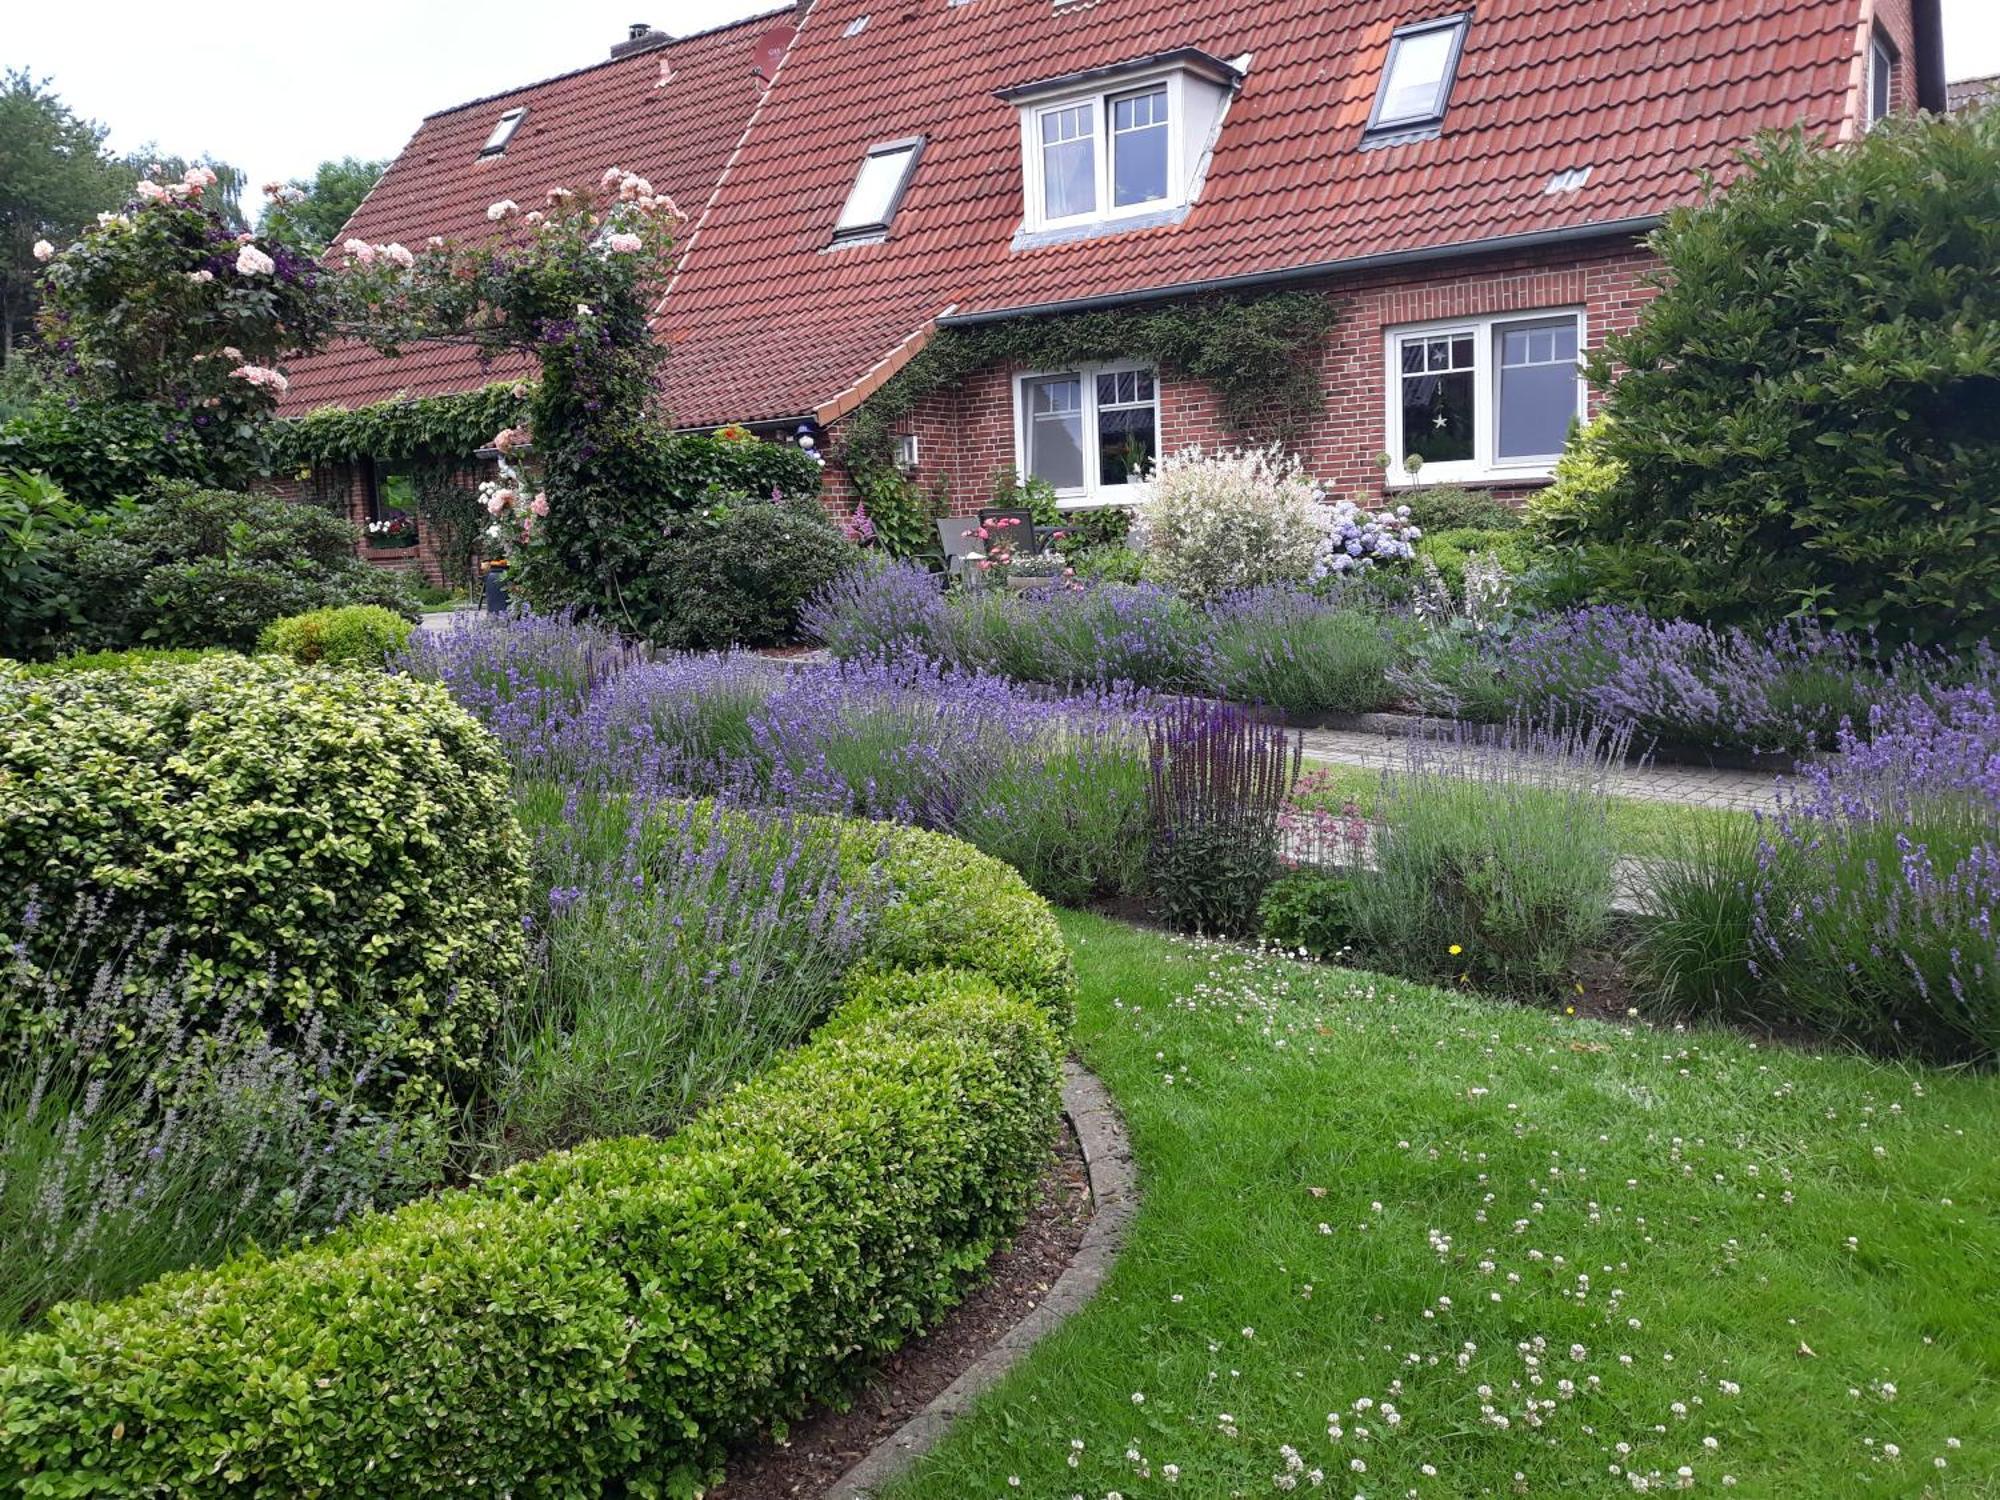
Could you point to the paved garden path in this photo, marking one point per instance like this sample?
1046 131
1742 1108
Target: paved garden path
1693 786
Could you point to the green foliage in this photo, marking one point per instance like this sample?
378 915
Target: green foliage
1309 912
1072 820
322 204
1694 954
1254 352
448 426
1304 661
99 450
112 661
351 635
1587 479
1446 507
240 806
1088 530
196 567
1512 549
54 178
736 575
904 515
36 600
1805 422
803 1228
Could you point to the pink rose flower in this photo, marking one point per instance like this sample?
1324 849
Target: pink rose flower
397 255
44 250
505 208
540 504
623 244
360 252
250 261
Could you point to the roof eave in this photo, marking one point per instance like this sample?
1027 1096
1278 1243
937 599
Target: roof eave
1194 59
1630 228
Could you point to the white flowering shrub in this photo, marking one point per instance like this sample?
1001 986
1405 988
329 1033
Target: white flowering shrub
1233 519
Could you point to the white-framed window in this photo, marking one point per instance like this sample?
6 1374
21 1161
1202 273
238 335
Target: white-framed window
503 131
1881 78
1091 432
1120 143
878 189
1483 399
1417 76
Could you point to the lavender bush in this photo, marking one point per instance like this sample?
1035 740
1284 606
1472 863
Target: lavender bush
133 1147
1494 859
678 951
1291 650
1879 883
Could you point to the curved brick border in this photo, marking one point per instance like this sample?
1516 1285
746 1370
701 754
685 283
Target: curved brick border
1114 1197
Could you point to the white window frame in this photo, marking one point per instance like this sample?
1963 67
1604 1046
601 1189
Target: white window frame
504 130
1485 466
1100 99
1092 495
1882 68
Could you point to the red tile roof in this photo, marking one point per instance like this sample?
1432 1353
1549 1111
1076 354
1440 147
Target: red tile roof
615 113
764 321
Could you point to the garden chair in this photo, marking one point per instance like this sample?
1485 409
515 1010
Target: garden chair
1019 529
955 535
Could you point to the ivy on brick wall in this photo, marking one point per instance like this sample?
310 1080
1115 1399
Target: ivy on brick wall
444 427
1258 354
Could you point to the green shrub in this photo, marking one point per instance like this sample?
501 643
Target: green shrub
194 567
611 1315
609 1318
740 576
344 840
115 661
1493 862
1071 818
1804 422
1695 954
36 598
351 635
1450 548
1308 911
1446 507
99 450
1301 657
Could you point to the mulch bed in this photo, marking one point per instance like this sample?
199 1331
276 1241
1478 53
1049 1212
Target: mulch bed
827 1443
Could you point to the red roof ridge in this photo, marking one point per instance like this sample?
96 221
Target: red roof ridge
675 41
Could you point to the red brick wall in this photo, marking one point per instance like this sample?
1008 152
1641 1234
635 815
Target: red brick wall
966 436
1897 22
344 489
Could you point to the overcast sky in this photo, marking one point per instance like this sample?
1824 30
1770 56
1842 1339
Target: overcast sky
278 88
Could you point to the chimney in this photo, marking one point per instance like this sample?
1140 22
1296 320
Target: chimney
639 38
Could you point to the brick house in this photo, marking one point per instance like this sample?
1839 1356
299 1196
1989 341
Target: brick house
1470 181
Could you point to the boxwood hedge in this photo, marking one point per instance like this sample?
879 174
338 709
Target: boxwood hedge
343 841
605 1320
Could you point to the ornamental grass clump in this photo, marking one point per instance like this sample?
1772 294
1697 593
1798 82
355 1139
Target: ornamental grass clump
1879 884
1218 781
1494 859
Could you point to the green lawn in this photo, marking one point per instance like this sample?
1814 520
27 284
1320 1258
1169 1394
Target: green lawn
1641 828
1503 1252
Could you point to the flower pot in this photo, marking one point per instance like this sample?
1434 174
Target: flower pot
1023 585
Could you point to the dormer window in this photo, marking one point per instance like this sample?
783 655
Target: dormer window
1416 82
878 190
503 131
1122 143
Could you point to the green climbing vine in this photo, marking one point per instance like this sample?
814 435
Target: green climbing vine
1255 353
454 425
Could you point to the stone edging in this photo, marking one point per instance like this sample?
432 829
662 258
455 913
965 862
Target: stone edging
1114 1197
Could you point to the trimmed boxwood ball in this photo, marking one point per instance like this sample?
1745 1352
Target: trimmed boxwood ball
606 1320
346 839
353 635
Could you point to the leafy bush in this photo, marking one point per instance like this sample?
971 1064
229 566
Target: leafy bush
195 567
1694 954
1446 507
1804 421
1215 523
1494 860
36 599
739 576
804 1227
1308 911
1449 550
344 840
113 661
353 635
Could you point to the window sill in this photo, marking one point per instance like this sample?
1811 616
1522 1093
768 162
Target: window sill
1435 478
1090 229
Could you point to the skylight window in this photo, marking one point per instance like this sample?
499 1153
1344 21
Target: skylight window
1417 77
503 132
878 189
